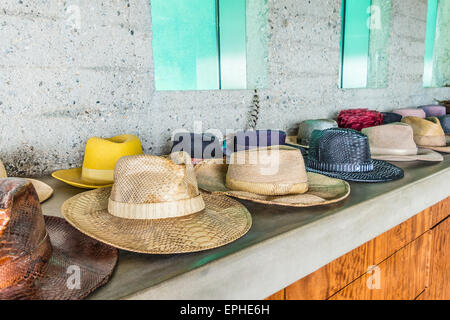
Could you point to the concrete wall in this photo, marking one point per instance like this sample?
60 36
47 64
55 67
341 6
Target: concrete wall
59 85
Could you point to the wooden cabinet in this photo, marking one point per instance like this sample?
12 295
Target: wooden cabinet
407 262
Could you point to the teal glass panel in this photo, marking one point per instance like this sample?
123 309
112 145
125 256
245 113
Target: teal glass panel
355 46
185 46
364 43
429 42
437 45
233 44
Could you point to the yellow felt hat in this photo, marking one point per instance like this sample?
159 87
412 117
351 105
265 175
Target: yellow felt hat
100 157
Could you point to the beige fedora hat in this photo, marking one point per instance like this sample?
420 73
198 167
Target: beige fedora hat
155 207
395 142
43 190
271 176
428 133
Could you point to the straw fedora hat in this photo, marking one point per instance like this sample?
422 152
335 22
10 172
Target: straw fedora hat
155 207
44 258
395 142
44 191
271 176
100 157
428 133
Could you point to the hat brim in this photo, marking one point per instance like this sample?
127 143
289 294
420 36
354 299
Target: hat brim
422 155
223 220
72 250
382 172
323 190
43 190
445 149
73 177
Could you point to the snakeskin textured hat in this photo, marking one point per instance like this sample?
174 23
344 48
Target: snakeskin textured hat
41 256
155 207
345 154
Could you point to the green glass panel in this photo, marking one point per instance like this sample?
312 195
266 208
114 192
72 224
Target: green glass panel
185 48
355 46
437 45
233 45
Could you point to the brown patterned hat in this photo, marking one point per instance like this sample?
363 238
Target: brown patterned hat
156 207
42 257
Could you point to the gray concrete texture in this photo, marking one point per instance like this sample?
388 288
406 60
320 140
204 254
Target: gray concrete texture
73 69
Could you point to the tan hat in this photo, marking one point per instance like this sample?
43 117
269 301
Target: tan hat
395 142
428 133
43 190
155 207
271 176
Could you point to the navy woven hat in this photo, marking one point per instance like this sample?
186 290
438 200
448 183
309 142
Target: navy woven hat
345 154
390 117
251 139
198 146
445 123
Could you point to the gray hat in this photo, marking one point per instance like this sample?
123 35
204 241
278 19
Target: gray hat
307 127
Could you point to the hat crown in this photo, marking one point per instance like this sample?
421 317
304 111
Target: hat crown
338 149
147 179
244 140
102 154
445 123
393 137
24 244
425 127
268 171
307 127
198 146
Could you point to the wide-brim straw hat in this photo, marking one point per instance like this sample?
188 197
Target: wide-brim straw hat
322 190
395 142
100 157
44 191
428 133
155 207
46 258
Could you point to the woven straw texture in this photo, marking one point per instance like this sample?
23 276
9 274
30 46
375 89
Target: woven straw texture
267 172
345 154
211 177
43 190
37 252
222 221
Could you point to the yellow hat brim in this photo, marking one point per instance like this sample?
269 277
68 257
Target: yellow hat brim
73 177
